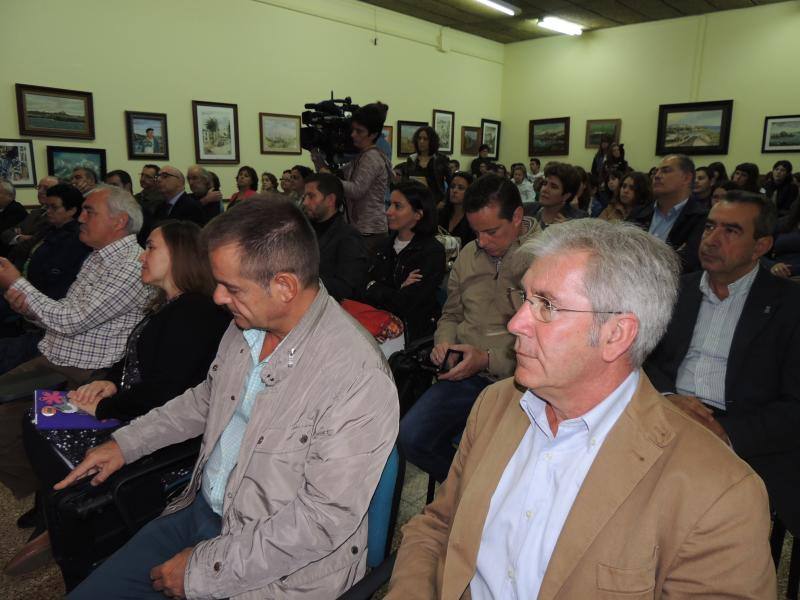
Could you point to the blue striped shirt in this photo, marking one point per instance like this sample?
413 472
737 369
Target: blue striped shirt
662 224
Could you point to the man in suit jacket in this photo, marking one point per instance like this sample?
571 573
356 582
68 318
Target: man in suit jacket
731 354
589 484
12 213
677 217
178 204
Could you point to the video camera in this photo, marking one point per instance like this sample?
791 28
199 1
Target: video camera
327 129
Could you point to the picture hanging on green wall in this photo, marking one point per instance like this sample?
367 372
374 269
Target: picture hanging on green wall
781 134
694 128
16 163
548 137
595 128
216 133
53 112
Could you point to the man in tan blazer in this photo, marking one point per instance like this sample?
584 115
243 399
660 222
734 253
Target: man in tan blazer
576 479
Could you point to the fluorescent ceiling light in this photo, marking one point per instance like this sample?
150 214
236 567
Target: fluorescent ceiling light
503 7
560 25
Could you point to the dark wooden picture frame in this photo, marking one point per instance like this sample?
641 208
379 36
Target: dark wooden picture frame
61 160
283 143
444 124
694 128
137 126
470 144
548 137
490 135
787 139
405 131
54 112
17 163
598 127
211 133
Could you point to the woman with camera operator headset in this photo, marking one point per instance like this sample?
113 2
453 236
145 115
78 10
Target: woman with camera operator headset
367 176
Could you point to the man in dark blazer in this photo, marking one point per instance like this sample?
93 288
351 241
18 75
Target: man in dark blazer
178 204
731 354
677 217
12 213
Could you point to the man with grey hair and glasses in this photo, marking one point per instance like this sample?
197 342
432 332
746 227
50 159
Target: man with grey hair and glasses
576 478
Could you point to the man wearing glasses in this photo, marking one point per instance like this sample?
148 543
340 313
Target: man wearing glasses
178 204
576 478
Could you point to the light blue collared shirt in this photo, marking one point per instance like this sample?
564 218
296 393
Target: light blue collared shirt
662 224
536 493
223 458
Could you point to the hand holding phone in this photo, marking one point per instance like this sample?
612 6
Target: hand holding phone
451 359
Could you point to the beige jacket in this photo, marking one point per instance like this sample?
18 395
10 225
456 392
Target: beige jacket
478 308
294 517
666 511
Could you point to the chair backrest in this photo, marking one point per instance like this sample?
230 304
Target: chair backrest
382 513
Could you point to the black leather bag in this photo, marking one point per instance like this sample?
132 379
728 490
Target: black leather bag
413 372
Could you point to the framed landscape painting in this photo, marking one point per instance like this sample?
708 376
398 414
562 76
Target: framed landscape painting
147 135
216 133
62 160
595 128
548 137
16 163
444 125
280 134
470 140
53 112
694 128
405 133
490 135
781 134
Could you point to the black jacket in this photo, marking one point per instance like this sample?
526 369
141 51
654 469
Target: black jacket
462 230
436 173
785 194
174 349
685 234
416 304
11 216
186 208
762 381
54 264
343 259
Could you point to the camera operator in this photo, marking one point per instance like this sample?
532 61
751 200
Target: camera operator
367 176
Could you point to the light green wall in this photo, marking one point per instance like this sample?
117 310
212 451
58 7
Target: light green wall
270 56
751 56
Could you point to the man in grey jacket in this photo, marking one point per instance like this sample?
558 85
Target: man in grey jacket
298 416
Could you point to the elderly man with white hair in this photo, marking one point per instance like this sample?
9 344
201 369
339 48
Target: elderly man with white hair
12 213
576 478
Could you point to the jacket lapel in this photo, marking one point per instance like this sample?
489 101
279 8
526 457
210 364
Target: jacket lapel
633 445
685 318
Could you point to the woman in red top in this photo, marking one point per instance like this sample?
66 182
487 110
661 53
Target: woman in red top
247 182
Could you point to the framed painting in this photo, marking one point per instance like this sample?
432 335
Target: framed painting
694 128
280 134
781 134
596 128
147 135
61 160
53 112
490 135
405 133
548 137
470 140
16 163
444 125
388 134
216 133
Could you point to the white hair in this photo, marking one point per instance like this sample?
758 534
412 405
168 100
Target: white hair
629 271
122 201
8 188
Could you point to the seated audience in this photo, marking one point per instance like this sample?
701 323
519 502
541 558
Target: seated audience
453 217
784 257
473 322
561 183
150 199
313 428
286 182
427 164
205 189
746 177
719 191
268 182
16 241
524 185
84 178
535 170
178 204
676 217
718 173
635 196
576 479
121 179
608 194
343 260
408 267
246 184
482 159
729 357
583 197
702 186
453 166
12 213
299 175
780 188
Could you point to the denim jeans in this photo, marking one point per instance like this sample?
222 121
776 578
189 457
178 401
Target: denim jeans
126 574
428 429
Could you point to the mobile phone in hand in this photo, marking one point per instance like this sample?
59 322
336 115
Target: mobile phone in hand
451 359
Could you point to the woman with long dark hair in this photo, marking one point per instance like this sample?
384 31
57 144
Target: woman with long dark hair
427 163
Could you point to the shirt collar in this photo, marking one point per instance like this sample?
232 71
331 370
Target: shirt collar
740 287
113 248
174 199
672 211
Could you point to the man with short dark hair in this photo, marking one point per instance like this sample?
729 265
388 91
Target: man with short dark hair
731 353
178 204
149 198
286 182
298 416
453 166
560 184
84 178
121 179
535 171
343 256
473 322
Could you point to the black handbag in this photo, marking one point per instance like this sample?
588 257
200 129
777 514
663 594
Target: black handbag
413 372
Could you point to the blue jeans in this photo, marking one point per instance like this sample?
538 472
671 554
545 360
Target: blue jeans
428 429
126 574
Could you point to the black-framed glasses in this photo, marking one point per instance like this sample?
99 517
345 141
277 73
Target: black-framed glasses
163 174
542 309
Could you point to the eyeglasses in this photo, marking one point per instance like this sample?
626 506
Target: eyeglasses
544 310
163 174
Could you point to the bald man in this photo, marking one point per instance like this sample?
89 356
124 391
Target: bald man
178 204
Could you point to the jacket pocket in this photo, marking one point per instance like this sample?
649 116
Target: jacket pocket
284 440
630 584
